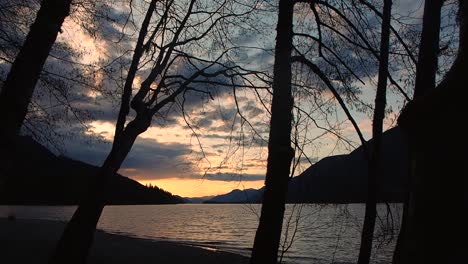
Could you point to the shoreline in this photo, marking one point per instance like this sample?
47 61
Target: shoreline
33 241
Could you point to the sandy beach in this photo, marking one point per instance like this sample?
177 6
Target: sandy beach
32 241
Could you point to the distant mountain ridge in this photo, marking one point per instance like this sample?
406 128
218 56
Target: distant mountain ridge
38 176
197 200
237 196
343 178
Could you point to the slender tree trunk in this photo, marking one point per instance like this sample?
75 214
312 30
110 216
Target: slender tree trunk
78 235
374 164
280 153
24 73
137 53
425 82
428 48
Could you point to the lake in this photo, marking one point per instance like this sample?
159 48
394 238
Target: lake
319 233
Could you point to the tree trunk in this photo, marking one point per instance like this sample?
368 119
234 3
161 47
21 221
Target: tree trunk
425 82
374 164
280 153
18 88
24 73
428 48
78 235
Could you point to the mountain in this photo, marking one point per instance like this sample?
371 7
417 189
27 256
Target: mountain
343 178
198 200
237 196
38 176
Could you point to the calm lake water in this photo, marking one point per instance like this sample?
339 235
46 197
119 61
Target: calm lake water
319 233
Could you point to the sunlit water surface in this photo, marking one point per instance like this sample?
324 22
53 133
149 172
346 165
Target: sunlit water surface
319 233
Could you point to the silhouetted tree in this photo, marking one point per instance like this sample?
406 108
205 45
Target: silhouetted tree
71 83
426 67
167 53
425 81
18 88
342 24
374 164
435 214
342 72
280 153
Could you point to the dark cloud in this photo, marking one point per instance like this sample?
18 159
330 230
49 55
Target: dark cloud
90 151
99 107
251 141
148 157
207 118
250 110
203 89
260 59
148 154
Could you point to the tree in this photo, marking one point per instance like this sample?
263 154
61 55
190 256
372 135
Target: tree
344 26
427 61
18 88
19 85
374 164
425 82
74 78
438 181
280 153
168 60
342 72
426 68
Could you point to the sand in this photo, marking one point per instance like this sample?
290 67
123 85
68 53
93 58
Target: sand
32 241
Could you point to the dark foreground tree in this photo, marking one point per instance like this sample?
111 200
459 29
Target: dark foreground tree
374 164
68 74
168 59
18 88
436 223
426 71
280 152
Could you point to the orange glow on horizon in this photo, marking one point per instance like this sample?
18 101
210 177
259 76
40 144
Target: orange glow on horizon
200 187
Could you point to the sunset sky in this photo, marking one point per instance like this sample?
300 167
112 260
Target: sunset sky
218 152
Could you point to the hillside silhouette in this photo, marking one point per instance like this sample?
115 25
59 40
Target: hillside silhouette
38 176
343 178
238 196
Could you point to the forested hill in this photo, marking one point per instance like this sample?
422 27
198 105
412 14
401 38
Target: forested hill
37 176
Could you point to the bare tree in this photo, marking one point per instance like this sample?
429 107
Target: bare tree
168 59
280 153
377 126
348 24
